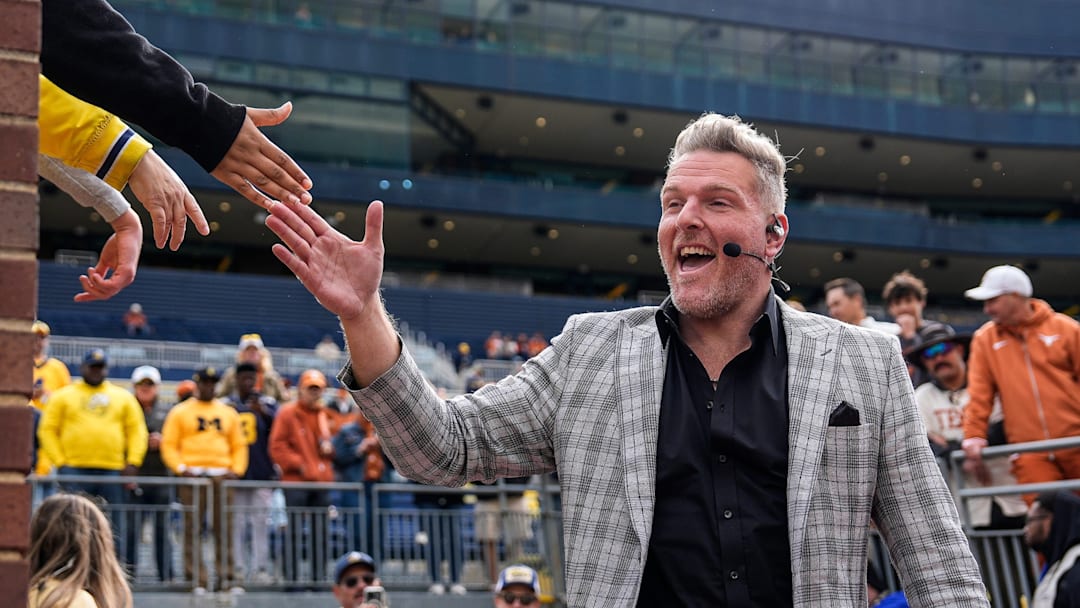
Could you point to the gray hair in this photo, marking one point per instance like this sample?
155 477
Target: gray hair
721 133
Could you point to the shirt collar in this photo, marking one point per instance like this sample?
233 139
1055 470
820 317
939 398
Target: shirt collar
667 319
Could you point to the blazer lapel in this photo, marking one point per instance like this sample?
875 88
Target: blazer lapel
812 360
639 384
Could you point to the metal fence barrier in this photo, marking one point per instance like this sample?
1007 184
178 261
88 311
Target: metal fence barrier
182 533
272 535
1010 569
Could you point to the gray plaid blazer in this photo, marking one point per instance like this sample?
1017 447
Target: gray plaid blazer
588 406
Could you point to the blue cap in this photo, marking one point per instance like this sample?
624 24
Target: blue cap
350 559
95 356
518 574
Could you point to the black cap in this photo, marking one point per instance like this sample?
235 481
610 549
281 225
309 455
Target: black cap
930 334
205 374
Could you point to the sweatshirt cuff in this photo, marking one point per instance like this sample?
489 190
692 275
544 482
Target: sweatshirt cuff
127 159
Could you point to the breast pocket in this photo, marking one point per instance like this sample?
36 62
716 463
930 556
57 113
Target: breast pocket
850 454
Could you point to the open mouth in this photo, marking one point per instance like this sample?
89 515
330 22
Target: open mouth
694 257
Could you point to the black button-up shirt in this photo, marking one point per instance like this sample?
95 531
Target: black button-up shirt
719 535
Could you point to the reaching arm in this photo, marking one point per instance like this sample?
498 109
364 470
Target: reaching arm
90 50
121 252
344 277
86 137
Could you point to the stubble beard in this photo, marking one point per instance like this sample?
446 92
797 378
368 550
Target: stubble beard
719 299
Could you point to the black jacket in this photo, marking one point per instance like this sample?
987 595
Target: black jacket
1064 533
92 52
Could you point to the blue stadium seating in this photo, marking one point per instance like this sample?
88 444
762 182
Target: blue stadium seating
216 308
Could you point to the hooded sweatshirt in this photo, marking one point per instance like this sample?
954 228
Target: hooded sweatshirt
1060 586
1035 368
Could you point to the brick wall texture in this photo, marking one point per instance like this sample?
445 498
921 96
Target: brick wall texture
20 36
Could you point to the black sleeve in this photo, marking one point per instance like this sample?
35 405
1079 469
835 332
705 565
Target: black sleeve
1068 591
92 52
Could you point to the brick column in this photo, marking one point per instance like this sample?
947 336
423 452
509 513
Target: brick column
20 39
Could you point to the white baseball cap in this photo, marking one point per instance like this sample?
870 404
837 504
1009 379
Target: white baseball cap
248 340
146 372
1001 280
518 574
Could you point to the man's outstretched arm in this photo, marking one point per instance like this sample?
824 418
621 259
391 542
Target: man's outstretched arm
344 276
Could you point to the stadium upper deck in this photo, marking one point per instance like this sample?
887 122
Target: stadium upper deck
510 119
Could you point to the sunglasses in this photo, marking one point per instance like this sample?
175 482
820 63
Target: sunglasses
938 349
525 599
353 581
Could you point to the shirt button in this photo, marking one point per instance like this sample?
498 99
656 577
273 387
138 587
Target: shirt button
734 575
721 458
728 514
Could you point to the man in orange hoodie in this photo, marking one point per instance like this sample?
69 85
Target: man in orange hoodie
1028 356
300 446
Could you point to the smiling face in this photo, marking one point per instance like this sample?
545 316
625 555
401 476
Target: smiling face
709 199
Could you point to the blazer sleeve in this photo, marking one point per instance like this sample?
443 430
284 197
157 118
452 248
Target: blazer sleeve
91 51
504 429
914 509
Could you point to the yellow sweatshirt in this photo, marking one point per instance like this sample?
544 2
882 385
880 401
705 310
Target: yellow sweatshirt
93 427
53 375
86 137
202 435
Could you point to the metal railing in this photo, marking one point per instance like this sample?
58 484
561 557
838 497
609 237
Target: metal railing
420 535
221 534
435 363
1010 568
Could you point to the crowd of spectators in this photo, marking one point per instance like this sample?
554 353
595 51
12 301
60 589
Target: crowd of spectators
237 423
246 422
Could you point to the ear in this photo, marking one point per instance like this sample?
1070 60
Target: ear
776 235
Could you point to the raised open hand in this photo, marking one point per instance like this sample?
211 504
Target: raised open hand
342 274
119 255
254 165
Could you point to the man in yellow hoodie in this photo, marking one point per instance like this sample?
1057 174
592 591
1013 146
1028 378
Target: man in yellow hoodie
50 374
1029 356
202 437
94 428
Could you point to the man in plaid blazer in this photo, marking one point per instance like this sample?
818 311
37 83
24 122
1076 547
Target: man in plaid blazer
589 406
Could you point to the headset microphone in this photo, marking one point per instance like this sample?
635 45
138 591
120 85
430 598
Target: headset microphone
734 250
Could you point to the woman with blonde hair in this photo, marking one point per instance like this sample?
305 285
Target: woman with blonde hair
72 557
267 382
